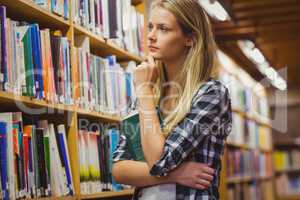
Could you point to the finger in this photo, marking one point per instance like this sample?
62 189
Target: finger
151 60
205 176
203 182
142 65
208 170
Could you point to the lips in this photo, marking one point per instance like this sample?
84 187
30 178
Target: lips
152 48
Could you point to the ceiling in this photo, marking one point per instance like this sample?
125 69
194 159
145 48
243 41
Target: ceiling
274 26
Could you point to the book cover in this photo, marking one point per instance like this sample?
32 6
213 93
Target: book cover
130 126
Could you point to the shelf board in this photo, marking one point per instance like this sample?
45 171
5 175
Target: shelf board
103 47
247 147
244 179
94 114
57 198
258 119
287 171
288 197
108 194
13 100
232 180
25 10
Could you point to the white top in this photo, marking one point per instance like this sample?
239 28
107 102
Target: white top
159 192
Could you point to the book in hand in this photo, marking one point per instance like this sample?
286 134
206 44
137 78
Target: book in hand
130 127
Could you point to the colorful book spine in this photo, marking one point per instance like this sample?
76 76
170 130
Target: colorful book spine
3 161
3 72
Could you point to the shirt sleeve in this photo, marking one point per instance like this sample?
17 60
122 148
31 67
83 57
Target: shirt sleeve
210 111
122 152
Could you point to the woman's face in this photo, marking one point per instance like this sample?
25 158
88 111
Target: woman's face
166 41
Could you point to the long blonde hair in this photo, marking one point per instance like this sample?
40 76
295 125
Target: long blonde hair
200 59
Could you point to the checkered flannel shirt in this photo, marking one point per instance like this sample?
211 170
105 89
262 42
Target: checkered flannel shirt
199 137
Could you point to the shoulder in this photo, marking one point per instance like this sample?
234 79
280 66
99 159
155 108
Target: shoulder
212 88
212 93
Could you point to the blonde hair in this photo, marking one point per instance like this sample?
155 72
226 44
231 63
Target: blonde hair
200 59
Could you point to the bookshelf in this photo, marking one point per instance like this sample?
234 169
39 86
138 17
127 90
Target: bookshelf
287 168
247 171
27 10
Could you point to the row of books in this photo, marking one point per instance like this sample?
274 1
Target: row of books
37 63
95 155
116 20
102 84
287 184
59 7
251 191
34 159
248 163
247 131
286 159
34 62
251 100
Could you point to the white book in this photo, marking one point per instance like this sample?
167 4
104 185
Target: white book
105 17
108 84
58 179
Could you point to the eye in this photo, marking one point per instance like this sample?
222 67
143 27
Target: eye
164 29
150 27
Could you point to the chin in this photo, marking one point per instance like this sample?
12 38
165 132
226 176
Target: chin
156 56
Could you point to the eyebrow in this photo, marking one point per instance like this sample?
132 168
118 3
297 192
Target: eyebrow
159 24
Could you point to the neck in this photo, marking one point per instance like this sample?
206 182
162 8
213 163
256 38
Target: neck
173 67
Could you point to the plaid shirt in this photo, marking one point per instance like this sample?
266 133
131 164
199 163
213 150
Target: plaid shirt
199 137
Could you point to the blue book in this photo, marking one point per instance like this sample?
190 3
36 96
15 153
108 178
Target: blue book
113 142
37 61
3 66
64 157
3 161
66 9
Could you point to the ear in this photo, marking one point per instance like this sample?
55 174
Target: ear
190 40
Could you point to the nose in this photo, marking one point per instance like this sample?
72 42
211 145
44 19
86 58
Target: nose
152 35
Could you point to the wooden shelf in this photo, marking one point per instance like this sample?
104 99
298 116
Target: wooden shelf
258 119
247 147
288 197
287 171
244 179
12 100
108 194
57 198
100 116
26 10
234 180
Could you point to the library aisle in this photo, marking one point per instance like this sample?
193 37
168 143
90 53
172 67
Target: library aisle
66 91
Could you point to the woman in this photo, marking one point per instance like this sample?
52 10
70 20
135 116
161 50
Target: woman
183 158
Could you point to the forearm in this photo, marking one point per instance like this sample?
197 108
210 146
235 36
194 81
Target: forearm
152 139
137 174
